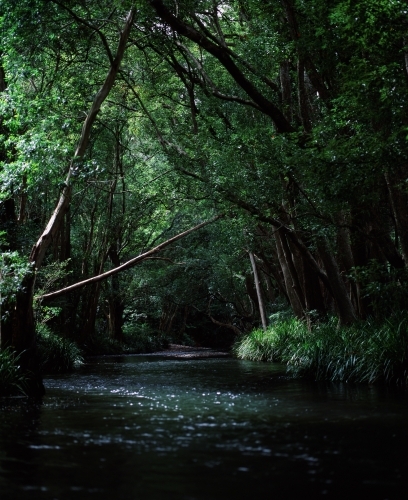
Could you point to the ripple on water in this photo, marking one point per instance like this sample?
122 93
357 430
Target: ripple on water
220 428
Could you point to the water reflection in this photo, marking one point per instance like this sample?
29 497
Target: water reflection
151 427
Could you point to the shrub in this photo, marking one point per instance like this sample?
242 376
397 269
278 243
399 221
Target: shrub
12 380
57 354
365 352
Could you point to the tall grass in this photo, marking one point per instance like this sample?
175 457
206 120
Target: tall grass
12 379
365 352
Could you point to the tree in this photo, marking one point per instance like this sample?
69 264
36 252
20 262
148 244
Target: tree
290 117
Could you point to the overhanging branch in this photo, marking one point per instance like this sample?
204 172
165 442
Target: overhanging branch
127 265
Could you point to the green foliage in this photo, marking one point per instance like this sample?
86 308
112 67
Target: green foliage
366 352
57 354
13 269
101 345
269 345
180 138
386 288
12 380
141 338
137 339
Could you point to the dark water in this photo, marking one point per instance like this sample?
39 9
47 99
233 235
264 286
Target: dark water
150 428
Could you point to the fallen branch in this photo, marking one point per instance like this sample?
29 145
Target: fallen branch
127 265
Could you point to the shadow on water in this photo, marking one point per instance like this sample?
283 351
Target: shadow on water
142 427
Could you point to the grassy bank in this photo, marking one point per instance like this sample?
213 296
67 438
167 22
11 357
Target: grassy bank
365 352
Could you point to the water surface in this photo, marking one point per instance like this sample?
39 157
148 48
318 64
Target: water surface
150 427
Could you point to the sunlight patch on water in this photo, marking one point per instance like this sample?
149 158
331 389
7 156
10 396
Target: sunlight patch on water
214 429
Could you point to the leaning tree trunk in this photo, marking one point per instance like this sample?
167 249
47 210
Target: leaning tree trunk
258 292
23 323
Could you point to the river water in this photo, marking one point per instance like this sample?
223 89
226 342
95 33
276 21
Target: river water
154 427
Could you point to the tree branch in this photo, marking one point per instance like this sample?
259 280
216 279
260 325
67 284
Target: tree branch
266 106
127 265
39 249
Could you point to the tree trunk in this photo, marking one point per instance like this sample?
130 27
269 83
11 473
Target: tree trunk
347 261
253 298
295 268
258 292
17 332
24 333
116 307
302 98
290 287
399 204
273 269
284 74
344 306
312 290
361 253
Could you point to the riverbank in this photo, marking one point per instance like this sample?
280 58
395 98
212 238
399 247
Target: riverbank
366 352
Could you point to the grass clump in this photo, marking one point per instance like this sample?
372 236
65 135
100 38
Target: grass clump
12 380
56 354
365 352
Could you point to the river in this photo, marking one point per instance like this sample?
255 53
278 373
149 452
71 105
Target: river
155 427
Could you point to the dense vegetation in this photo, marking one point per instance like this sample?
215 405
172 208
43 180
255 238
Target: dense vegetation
283 125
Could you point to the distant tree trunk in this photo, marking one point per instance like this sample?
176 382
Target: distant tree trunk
343 303
284 73
258 292
289 284
399 204
253 298
270 289
346 259
361 253
275 271
312 289
90 308
385 246
184 323
23 201
169 310
3 82
116 306
302 97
